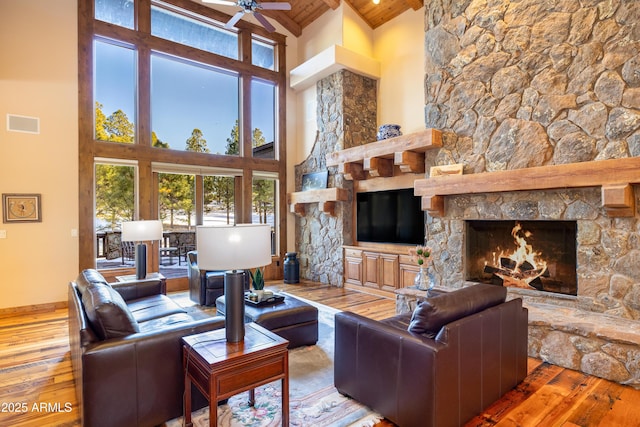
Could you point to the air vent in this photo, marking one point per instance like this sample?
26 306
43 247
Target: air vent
23 124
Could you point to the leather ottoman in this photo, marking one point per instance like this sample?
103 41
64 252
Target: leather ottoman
292 319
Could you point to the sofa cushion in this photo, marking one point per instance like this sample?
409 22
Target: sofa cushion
433 313
107 312
153 307
87 277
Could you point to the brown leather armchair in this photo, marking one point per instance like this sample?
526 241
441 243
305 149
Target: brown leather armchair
126 351
465 350
205 286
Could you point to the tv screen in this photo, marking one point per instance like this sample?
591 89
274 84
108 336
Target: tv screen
393 216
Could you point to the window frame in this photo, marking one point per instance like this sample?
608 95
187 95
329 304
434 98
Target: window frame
90 150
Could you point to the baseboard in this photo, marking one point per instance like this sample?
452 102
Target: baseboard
30 309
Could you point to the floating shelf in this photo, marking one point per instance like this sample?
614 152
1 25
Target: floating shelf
326 199
614 176
386 158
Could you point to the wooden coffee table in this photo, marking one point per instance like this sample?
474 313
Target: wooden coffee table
220 369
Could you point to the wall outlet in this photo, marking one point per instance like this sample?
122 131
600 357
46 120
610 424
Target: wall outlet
3 234
74 232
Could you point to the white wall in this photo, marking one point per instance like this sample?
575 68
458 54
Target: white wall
399 46
38 78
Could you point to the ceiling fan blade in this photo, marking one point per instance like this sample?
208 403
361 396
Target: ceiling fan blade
275 5
264 22
223 2
233 21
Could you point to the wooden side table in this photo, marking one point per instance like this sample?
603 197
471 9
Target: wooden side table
132 278
220 369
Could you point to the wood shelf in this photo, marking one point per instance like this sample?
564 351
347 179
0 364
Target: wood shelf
614 176
326 199
386 158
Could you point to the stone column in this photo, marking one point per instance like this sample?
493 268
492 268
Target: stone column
346 118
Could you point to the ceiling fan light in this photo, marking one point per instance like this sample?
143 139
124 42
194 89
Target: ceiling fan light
376 1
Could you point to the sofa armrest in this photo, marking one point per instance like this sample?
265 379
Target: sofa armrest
141 372
135 289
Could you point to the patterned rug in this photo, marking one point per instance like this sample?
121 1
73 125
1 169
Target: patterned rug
313 401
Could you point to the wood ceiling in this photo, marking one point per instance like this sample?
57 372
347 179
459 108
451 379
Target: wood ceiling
304 12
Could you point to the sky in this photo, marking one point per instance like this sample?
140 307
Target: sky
183 97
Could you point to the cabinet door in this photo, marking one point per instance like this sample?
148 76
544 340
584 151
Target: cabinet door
371 269
407 274
388 272
353 270
353 266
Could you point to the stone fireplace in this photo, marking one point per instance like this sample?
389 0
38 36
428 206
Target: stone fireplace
533 255
517 85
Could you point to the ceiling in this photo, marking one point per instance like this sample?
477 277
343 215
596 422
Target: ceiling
304 12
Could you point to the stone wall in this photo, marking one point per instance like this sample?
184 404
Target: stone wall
346 117
517 84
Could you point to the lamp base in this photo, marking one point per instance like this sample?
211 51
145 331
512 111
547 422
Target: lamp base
234 305
141 261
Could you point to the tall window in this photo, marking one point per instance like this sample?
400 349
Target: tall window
163 83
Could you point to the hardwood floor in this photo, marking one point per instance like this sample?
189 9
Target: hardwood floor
36 381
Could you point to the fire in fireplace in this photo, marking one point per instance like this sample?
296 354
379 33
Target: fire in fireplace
536 255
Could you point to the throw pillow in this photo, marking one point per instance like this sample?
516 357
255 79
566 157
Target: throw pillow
433 313
107 312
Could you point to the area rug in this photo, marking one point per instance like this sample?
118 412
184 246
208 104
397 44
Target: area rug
314 401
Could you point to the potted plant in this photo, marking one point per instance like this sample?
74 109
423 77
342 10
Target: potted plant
257 282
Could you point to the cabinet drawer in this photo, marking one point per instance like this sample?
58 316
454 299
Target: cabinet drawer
355 253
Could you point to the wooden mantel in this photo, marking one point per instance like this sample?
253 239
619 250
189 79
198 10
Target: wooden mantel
381 158
325 197
614 176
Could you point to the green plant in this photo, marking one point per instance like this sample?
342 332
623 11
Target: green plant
257 279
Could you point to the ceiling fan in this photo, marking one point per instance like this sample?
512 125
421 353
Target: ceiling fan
251 6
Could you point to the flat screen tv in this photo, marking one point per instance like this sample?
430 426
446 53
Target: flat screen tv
393 216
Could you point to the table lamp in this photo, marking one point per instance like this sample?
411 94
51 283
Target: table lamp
234 248
141 231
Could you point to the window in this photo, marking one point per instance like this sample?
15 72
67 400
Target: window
263 119
198 111
193 121
263 54
115 203
264 206
114 92
118 12
191 32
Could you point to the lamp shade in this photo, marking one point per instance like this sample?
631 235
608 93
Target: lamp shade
138 231
233 247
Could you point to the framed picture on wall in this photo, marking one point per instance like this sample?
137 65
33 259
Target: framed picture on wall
315 180
21 208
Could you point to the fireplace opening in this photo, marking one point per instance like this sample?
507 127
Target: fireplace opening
535 255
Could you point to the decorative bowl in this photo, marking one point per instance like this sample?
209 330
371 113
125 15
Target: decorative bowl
388 131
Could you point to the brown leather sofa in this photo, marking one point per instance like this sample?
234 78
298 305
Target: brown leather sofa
126 351
441 365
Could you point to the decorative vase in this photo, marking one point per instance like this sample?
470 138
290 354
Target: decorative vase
388 131
423 280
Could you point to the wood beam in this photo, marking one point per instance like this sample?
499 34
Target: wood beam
415 4
285 20
378 167
352 171
433 205
614 175
619 200
333 4
427 139
409 161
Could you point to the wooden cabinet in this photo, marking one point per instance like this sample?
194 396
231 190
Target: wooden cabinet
378 270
